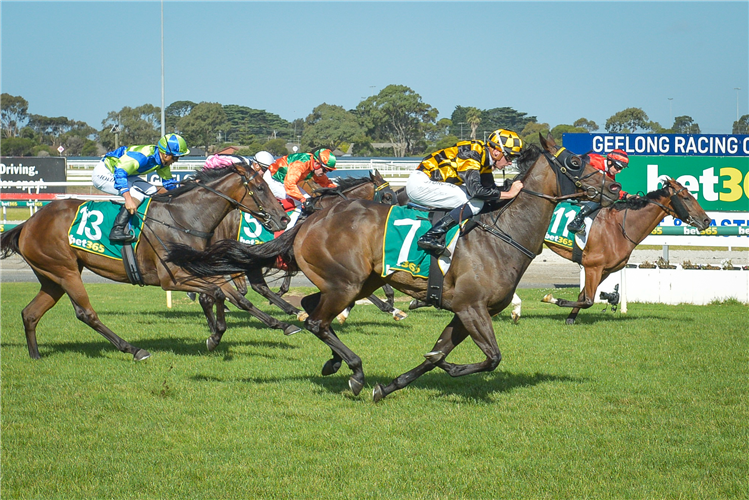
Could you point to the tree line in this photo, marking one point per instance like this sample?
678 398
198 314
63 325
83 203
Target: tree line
395 122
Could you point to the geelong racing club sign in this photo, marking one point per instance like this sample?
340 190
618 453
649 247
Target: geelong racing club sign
714 168
660 144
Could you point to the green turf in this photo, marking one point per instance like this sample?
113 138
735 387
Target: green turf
651 404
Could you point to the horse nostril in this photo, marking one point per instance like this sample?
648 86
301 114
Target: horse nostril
615 187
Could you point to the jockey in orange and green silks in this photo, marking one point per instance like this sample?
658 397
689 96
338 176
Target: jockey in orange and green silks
292 169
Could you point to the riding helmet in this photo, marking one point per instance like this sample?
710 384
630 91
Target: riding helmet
173 144
619 157
507 141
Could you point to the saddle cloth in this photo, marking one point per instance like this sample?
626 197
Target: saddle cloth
252 232
404 227
557 233
93 222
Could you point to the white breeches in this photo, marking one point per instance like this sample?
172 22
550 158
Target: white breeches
424 191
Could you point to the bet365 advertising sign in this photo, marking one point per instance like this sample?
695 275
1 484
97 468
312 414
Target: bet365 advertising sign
715 168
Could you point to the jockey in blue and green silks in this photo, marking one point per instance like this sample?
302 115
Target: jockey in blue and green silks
119 172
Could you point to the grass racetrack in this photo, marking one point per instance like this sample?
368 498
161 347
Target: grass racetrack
651 404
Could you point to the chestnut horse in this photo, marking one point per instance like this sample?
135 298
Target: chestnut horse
618 229
340 250
185 215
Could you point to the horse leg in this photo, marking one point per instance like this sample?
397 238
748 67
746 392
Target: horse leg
206 303
416 304
331 366
242 303
343 315
73 286
585 299
285 285
240 283
326 308
387 307
260 286
47 297
447 341
389 294
516 305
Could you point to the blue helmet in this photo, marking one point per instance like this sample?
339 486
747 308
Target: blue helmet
173 144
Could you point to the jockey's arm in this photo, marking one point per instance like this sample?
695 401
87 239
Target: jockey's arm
293 177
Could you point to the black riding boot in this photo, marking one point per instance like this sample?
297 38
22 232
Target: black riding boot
433 240
118 234
578 223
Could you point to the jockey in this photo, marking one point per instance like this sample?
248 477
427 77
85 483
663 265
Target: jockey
284 175
460 179
119 170
612 164
263 160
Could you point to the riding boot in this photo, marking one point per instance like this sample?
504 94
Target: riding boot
118 234
433 241
578 223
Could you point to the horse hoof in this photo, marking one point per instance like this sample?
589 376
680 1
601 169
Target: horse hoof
342 318
330 367
570 321
192 296
210 343
435 357
414 304
548 298
291 330
399 315
515 318
378 393
302 315
355 386
141 354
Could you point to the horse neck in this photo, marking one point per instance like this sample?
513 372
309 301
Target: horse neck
364 191
200 209
637 224
528 216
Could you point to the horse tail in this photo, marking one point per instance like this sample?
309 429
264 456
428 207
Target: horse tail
9 242
231 256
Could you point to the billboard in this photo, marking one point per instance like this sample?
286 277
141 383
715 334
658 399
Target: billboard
718 182
34 169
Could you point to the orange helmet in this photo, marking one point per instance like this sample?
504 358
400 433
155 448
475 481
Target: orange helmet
325 157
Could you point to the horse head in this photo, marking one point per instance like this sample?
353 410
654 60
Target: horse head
383 192
576 176
685 205
262 204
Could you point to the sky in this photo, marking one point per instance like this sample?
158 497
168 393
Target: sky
558 61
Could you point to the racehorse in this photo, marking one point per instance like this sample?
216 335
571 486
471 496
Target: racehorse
618 229
373 187
340 250
187 214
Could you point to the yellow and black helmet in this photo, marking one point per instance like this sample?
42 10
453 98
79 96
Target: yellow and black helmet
506 141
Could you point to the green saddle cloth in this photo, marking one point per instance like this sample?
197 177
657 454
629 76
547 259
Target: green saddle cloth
404 227
252 232
557 232
93 222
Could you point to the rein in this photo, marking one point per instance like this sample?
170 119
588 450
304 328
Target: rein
674 212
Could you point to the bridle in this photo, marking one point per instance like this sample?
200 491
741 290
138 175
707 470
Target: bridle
679 210
260 213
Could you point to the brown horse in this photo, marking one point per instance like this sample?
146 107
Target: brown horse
340 250
373 187
186 215
618 229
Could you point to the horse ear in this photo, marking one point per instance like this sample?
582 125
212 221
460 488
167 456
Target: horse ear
543 141
550 140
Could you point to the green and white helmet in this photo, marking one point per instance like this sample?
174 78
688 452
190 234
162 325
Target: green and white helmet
173 144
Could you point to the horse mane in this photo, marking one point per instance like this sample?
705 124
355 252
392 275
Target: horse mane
344 184
638 203
527 159
201 176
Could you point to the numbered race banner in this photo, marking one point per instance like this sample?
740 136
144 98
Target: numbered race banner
33 169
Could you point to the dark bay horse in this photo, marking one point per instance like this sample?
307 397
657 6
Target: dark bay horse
618 229
186 215
340 250
372 187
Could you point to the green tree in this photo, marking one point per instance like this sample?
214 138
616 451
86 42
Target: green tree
492 119
138 126
245 122
330 126
685 125
398 115
741 126
530 132
174 112
276 147
14 114
446 142
628 121
17 146
202 125
473 118
588 125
